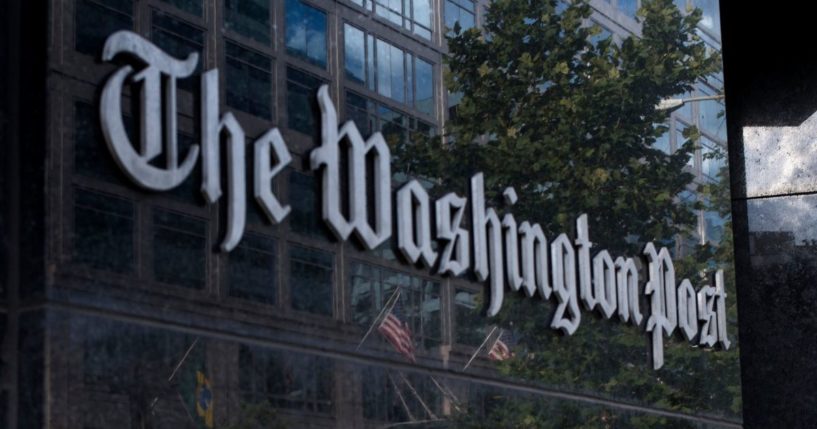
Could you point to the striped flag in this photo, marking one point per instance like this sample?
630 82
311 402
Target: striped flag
397 332
500 350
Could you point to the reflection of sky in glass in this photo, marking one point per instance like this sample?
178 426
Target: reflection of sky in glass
680 140
425 86
710 165
422 12
390 9
712 118
461 11
711 14
390 71
662 142
306 32
354 53
797 214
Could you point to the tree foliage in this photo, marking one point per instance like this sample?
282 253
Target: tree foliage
568 119
568 122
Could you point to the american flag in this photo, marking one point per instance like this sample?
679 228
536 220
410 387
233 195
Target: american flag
499 351
397 332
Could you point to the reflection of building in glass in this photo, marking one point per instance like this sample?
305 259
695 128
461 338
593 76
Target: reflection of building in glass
617 17
144 300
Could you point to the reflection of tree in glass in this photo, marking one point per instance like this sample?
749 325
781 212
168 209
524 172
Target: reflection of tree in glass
571 126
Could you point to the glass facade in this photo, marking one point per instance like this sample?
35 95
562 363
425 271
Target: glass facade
306 32
157 326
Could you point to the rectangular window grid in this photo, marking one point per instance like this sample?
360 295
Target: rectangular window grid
103 231
306 32
310 280
419 302
371 116
249 18
286 380
388 70
249 81
179 249
302 106
95 20
179 39
251 270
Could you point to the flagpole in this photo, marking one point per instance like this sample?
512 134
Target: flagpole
446 392
402 399
184 358
480 348
176 370
190 416
416 395
389 305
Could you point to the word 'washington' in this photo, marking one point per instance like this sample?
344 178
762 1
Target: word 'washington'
497 249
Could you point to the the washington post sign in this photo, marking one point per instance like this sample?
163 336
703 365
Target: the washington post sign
497 248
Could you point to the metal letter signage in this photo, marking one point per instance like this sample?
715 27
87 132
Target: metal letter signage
497 249
161 67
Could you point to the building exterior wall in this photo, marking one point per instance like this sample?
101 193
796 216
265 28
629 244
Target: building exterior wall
135 297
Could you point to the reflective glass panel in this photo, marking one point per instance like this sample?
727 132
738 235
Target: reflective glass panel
310 280
249 81
179 249
97 19
306 32
249 18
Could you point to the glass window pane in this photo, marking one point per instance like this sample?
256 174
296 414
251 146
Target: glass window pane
366 300
712 159
179 39
711 19
392 10
249 18
190 6
179 249
306 32
391 78
459 11
470 328
302 107
392 124
424 94
662 143
311 280
98 19
714 226
103 231
249 81
370 66
358 110
384 71
91 157
422 12
251 269
355 53
713 118
288 380
189 191
306 214
129 360
398 76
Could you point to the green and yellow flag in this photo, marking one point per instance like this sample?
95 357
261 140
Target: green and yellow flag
204 399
